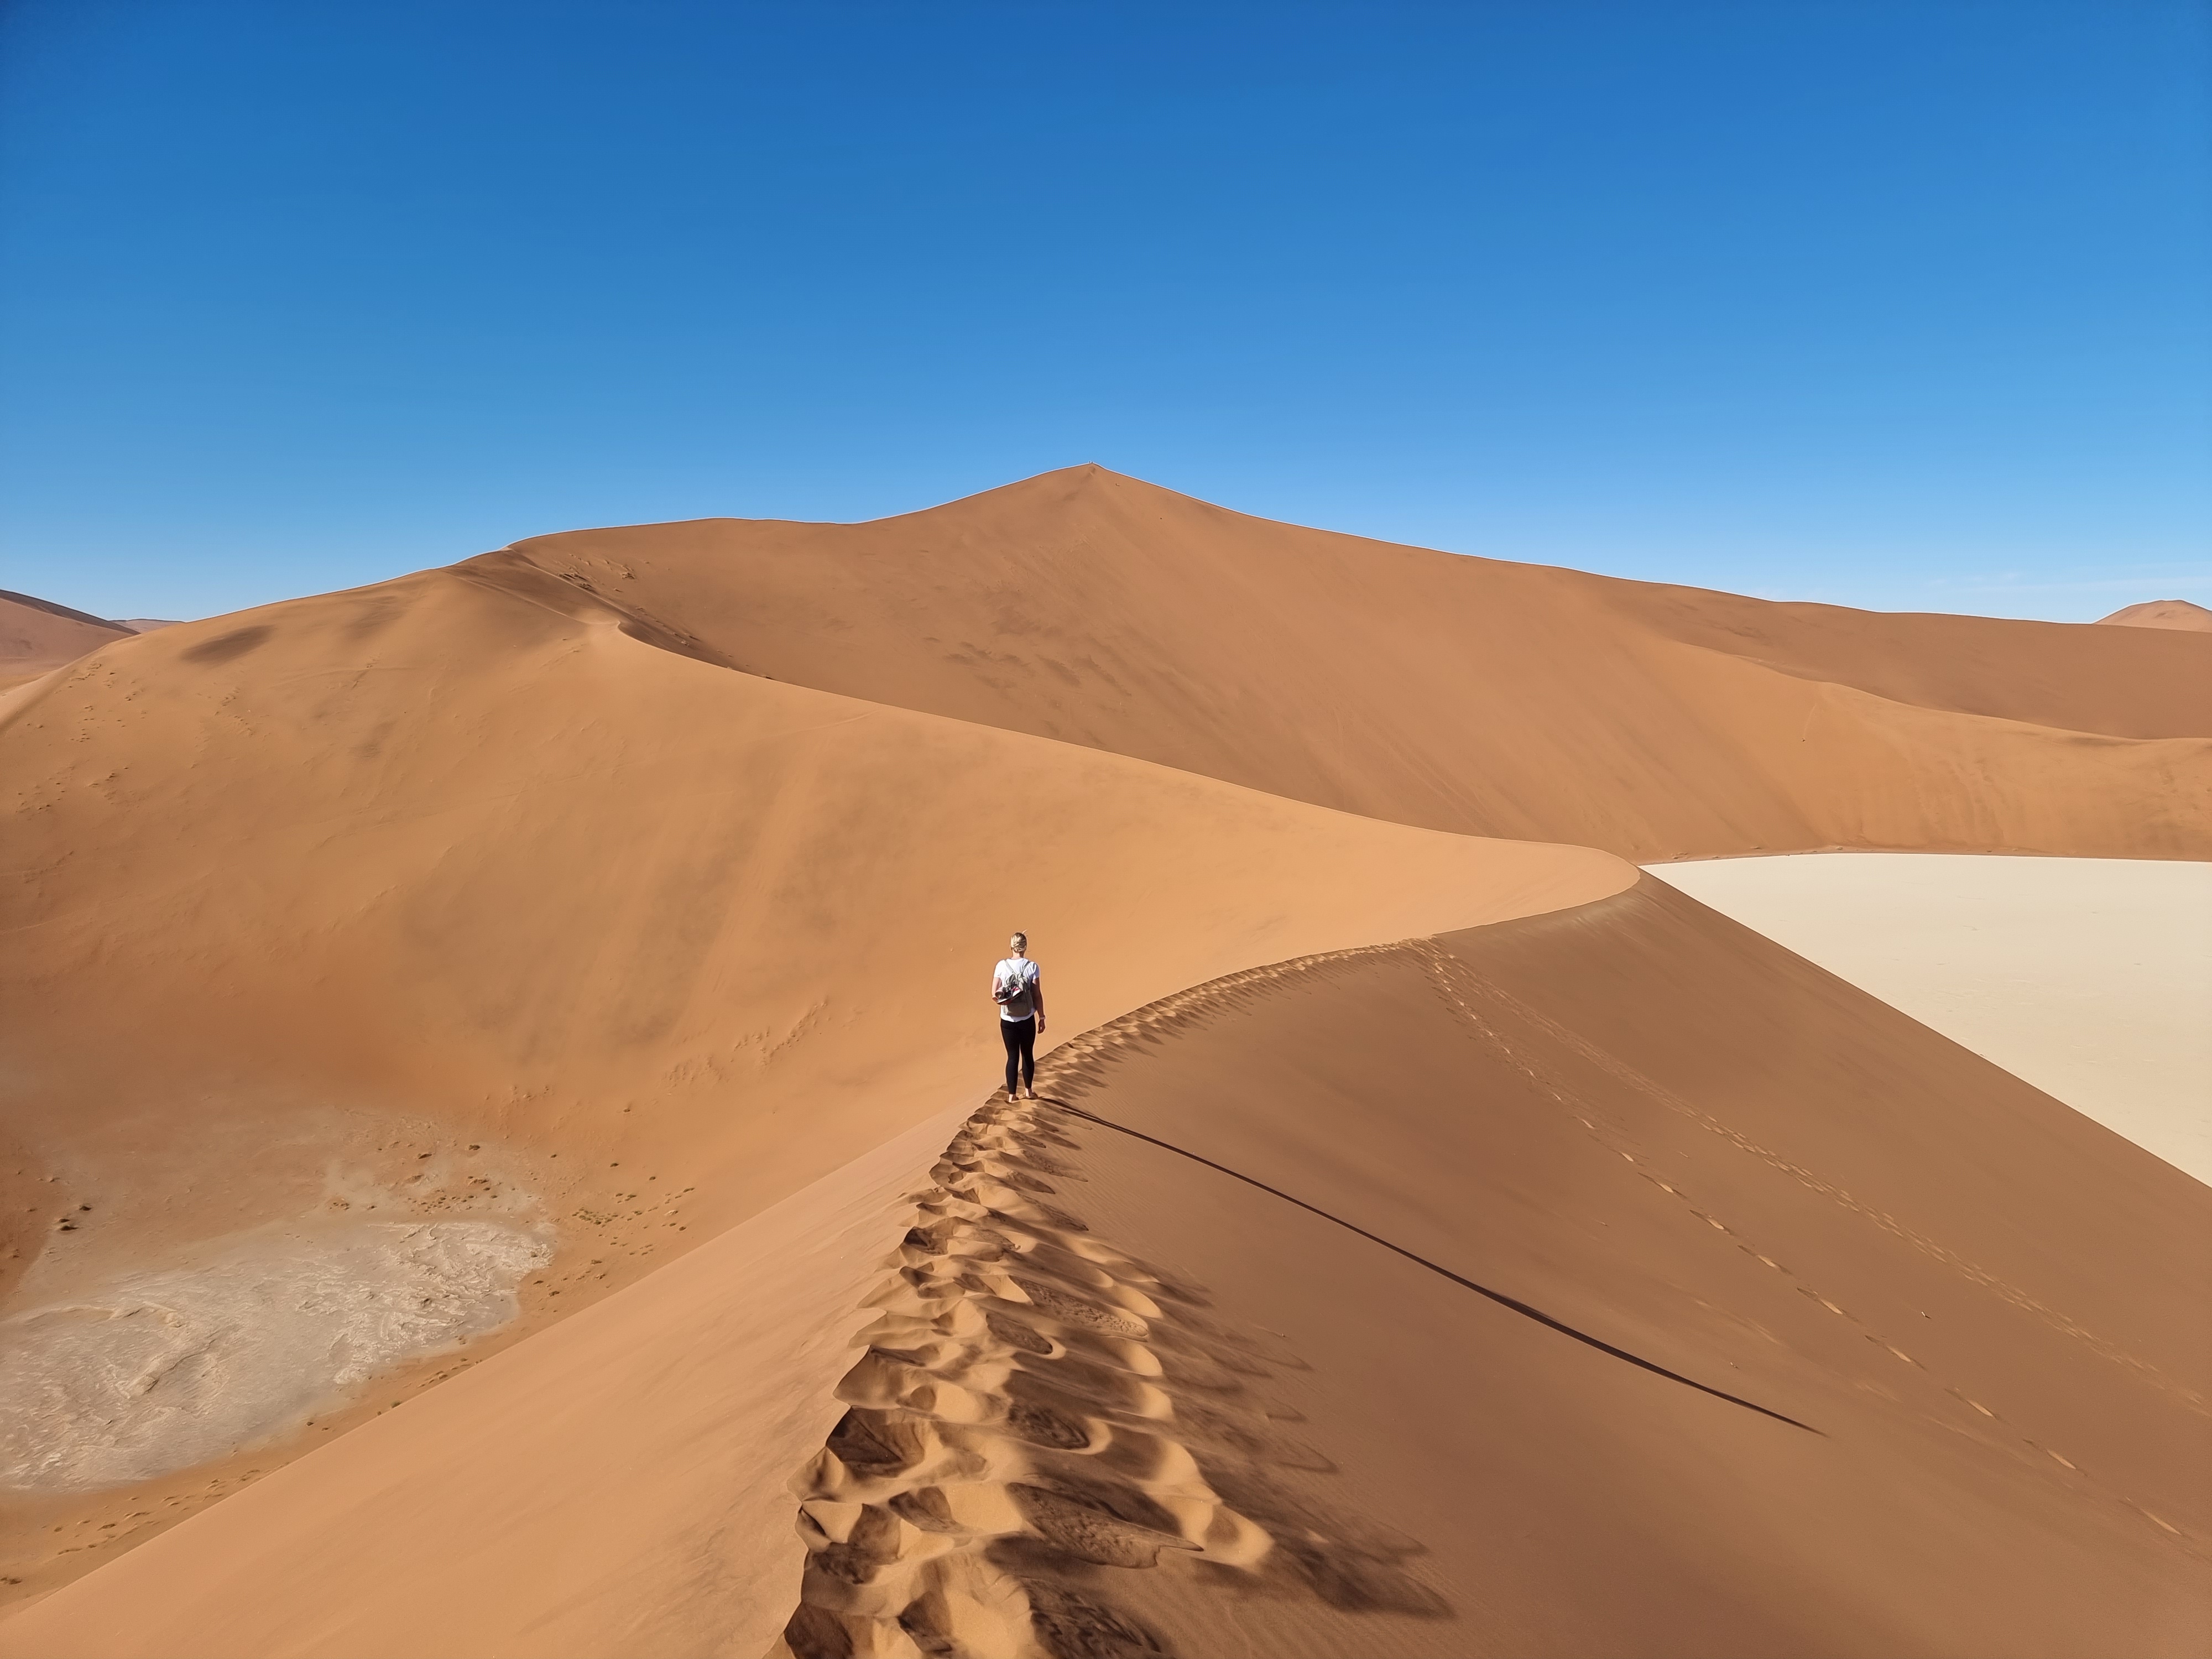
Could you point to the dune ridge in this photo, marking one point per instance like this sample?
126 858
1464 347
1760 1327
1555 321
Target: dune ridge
37 637
1109 1399
1453 692
2062 1526
477 900
630 890
2177 614
1013 1390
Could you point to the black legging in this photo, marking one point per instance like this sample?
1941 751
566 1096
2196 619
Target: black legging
1020 1037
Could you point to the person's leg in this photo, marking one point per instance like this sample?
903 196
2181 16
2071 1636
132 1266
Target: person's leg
1029 1056
1010 1031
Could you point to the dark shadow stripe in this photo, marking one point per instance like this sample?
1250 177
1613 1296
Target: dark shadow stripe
1499 1296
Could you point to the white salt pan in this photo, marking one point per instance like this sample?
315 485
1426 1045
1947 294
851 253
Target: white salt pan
160 1369
2089 978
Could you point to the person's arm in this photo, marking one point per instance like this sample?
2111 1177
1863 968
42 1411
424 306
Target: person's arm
1036 995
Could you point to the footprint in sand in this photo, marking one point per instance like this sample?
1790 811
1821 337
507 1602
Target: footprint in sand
1037 1412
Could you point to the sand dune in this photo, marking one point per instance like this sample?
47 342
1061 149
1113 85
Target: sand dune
468 908
1851 1226
2089 978
37 636
1573 1323
616 1484
480 1040
1455 693
2163 613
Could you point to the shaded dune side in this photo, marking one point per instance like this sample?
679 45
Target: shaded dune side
1456 693
462 897
1185 1360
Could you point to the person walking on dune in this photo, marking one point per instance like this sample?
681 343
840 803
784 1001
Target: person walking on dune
1017 987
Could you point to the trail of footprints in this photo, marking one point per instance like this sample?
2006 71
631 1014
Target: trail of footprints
1083 1063
1037 1413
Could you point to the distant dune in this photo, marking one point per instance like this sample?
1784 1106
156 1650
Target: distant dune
1455 693
37 636
546 997
452 904
2164 613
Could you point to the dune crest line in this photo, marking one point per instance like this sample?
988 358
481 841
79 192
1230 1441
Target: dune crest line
1079 1064
1034 1407
1079 1061
1500 1297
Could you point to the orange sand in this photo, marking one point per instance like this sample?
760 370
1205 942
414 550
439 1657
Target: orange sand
632 892
1456 693
37 636
2164 613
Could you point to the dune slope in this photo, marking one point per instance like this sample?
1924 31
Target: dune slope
616 1484
1607 1282
446 941
1456 693
2177 614
478 1043
37 635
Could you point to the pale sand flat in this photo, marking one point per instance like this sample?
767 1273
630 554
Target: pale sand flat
2089 978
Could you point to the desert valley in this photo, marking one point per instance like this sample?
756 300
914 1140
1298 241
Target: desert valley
1536 1154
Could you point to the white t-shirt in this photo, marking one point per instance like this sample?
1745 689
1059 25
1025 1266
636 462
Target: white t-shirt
1016 971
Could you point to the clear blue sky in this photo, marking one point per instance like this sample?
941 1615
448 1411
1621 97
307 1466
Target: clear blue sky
1900 305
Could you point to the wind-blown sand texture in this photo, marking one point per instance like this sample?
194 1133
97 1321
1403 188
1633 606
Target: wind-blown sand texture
1615 1280
2089 978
